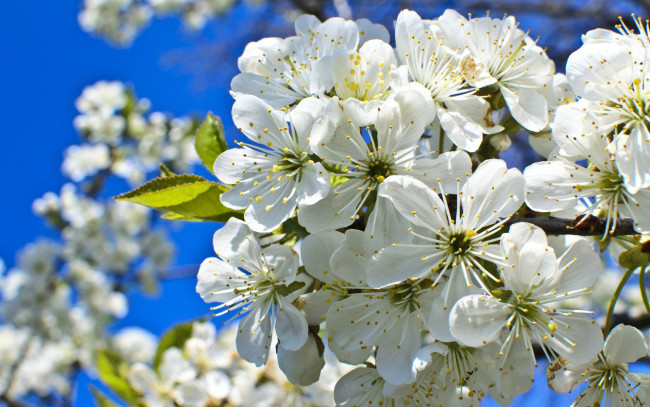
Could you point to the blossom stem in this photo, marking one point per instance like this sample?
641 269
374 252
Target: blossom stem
644 291
612 303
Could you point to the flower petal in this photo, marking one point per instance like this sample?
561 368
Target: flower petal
476 320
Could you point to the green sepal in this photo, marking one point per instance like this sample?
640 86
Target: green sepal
285 290
183 197
114 372
165 172
210 141
634 258
174 337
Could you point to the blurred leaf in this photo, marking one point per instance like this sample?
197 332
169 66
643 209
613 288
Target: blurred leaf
184 197
174 337
210 140
633 258
114 372
102 400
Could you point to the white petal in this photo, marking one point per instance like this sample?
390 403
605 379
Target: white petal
316 250
447 168
349 261
318 303
578 268
583 332
625 344
306 25
475 73
334 211
548 190
142 378
272 91
527 106
396 352
314 184
291 326
476 320
394 264
415 201
463 132
353 384
282 262
217 384
600 71
492 192
229 165
369 31
190 394
254 335
213 282
526 247
633 158
563 379
234 242
517 374
301 366
351 357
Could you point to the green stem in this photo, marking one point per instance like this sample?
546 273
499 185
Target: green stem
612 303
644 292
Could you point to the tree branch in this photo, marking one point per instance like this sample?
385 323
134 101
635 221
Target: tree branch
314 7
591 226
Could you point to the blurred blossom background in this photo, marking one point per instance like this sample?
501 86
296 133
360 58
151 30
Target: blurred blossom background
175 60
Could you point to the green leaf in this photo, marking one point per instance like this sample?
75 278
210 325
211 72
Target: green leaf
210 140
164 171
102 400
172 338
186 197
114 372
634 258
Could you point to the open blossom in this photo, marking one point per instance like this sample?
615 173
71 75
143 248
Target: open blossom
526 308
393 151
277 172
607 374
610 77
264 292
360 79
494 52
85 160
365 387
449 242
175 383
281 71
463 116
391 319
598 189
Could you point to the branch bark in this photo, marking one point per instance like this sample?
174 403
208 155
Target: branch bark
591 226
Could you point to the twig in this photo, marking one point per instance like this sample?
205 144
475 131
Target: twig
592 226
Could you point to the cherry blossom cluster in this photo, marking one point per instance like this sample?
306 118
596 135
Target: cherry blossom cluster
122 138
206 370
121 21
379 222
59 299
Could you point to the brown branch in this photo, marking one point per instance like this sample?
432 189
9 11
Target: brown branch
314 7
591 226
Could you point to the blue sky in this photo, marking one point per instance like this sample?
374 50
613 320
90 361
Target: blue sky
47 61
